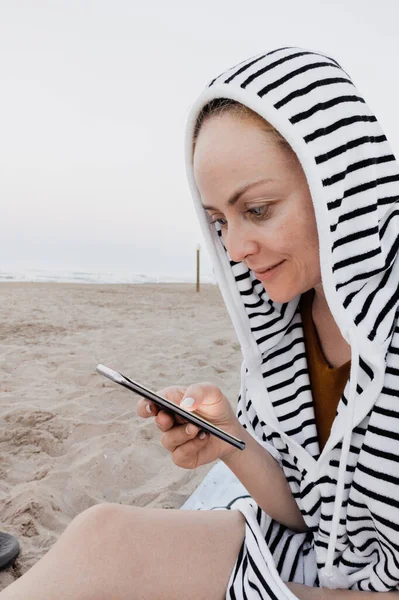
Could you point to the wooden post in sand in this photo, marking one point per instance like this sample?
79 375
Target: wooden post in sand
198 268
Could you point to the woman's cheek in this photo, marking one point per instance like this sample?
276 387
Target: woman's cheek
282 236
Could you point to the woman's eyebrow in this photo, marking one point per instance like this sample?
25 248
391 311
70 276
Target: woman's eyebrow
238 193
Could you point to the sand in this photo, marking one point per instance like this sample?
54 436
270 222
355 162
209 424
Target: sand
69 438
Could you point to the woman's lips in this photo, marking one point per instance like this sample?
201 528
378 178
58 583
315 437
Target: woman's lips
268 273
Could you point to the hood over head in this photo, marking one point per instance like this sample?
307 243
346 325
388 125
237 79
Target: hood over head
353 179
351 172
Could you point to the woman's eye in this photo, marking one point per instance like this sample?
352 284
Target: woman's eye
221 222
259 211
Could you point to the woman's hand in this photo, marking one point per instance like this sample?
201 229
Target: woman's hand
189 446
257 470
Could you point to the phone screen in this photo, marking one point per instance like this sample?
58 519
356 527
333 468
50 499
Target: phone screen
167 405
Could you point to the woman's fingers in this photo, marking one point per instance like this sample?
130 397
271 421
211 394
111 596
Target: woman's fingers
164 420
146 409
188 445
179 435
173 393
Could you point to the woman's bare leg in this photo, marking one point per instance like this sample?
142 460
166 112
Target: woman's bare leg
114 552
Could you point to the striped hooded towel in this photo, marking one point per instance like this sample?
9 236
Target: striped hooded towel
349 493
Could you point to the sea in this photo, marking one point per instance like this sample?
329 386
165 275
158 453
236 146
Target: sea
95 277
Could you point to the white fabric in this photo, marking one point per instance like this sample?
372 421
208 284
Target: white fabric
348 494
218 488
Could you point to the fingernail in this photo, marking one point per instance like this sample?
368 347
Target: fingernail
202 435
188 402
188 430
148 408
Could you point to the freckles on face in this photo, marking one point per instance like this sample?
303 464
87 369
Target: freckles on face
272 220
300 237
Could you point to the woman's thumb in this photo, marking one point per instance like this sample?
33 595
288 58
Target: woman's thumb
201 393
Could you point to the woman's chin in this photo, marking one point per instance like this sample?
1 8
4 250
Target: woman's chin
281 296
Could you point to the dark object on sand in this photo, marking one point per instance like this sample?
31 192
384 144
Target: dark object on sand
9 549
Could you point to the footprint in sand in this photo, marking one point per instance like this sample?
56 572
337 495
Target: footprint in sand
33 431
220 342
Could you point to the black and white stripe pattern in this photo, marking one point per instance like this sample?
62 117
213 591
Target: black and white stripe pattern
354 182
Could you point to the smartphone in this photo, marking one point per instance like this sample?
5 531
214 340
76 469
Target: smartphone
169 406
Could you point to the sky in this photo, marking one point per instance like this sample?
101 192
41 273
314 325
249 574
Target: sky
94 100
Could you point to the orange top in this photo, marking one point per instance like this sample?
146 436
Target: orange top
327 383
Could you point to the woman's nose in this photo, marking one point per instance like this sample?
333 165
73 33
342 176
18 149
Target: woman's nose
239 243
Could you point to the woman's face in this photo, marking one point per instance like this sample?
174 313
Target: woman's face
256 190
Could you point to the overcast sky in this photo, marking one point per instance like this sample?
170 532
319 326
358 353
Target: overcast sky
94 98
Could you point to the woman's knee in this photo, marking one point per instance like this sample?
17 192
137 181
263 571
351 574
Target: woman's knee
101 523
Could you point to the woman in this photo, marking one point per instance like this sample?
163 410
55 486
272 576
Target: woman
295 187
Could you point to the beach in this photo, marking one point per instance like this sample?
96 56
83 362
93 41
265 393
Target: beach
69 438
